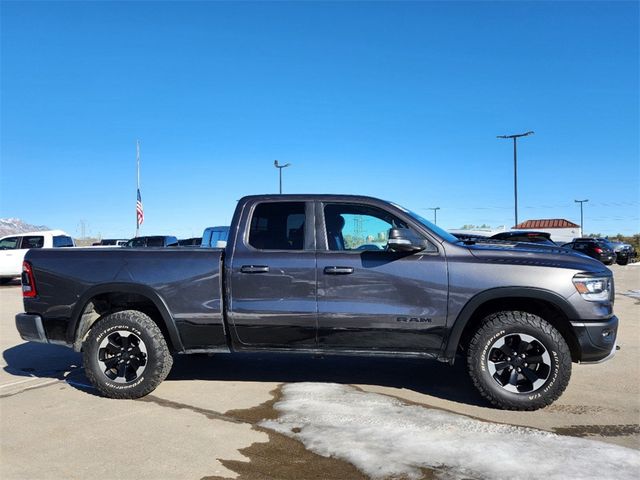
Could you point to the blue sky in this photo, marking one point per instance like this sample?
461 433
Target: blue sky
397 100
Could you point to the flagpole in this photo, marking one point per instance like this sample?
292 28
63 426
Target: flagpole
138 182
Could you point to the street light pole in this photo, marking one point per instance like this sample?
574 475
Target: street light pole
581 217
280 167
515 167
435 214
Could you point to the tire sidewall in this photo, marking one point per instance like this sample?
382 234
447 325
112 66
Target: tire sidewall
549 391
122 322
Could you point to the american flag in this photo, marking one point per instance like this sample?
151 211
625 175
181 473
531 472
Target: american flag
139 209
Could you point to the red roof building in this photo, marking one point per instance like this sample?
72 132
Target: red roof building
546 223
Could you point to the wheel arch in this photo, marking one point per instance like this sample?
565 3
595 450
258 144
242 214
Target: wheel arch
544 303
104 299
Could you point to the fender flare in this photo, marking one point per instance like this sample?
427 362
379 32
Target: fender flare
455 333
123 287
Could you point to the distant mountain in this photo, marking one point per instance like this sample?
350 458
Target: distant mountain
9 226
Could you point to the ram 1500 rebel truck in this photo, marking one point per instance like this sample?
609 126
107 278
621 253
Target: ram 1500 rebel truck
327 274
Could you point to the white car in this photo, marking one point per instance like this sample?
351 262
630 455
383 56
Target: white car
14 247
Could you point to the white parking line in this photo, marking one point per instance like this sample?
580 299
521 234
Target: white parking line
5 385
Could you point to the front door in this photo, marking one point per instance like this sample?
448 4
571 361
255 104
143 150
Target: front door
10 257
370 298
273 278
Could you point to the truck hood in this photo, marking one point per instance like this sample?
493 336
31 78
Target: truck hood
537 255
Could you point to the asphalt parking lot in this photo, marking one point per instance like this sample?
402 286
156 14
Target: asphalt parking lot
206 419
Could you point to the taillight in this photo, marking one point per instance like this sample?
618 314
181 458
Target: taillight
598 250
28 282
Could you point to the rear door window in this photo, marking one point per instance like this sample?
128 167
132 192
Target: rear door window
35 241
278 226
10 243
60 241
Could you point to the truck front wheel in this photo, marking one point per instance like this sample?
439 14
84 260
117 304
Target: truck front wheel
519 361
125 355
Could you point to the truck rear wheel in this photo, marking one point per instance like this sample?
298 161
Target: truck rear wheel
519 361
125 355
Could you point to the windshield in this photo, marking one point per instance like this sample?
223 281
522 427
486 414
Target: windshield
431 226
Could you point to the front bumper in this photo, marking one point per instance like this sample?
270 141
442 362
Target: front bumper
30 328
607 258
597 339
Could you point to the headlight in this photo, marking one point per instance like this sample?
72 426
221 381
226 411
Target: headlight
593 289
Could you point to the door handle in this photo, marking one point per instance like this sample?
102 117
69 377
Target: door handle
338 270
254 269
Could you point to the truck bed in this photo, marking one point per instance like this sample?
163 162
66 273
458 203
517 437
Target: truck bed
175 281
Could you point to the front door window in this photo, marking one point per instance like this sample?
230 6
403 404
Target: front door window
358 227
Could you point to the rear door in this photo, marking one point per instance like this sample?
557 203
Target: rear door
272 274
370 298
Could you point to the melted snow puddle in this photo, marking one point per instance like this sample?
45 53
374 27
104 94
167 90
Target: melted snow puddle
384 437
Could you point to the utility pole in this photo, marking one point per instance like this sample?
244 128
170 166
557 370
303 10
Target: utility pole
581 216
280 167
515 167
435 214
83 229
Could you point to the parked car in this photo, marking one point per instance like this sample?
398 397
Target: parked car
525 236
152 241
14 247
118 242
624 251
594 248
195 241
292 279
110 242
215 237
469 237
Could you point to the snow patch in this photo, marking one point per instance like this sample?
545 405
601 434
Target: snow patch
632 294
384 437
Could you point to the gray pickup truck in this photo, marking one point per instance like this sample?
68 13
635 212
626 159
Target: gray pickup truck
327 274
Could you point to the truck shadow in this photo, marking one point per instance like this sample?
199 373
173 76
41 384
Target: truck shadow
423 376
40 360
428 377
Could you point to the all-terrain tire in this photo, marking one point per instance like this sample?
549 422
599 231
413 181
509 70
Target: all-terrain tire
125 355
518 361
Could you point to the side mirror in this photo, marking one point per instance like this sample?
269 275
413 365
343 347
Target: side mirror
404 240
